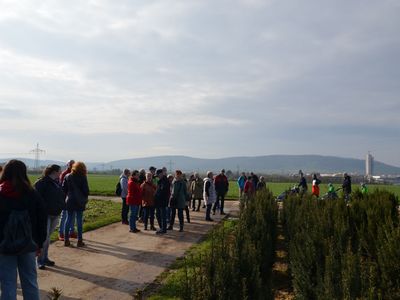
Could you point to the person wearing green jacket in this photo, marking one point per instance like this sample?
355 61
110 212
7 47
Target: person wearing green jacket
178 200
364 188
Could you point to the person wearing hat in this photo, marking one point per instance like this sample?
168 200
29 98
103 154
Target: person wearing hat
221 184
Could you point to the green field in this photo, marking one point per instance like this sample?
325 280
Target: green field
105 185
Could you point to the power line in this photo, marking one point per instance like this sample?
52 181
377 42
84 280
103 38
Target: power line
37 151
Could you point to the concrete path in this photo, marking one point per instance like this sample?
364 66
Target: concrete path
115 263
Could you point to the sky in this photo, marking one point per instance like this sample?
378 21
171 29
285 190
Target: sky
107 80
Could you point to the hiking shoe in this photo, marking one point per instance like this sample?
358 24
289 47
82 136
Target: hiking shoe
170 228
125 222
67 243
73 235
42 267
153 228
210 220
161 232
80 244
134 230
180 229
61 237
49 263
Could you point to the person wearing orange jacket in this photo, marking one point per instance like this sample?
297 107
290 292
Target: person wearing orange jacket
134 199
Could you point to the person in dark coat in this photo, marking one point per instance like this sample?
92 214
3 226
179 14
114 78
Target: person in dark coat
178 200
303 183
221 184
76 187
346 186
50 189
18 196
161 200
61 227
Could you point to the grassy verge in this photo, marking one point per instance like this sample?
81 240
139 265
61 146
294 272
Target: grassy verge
98 213
169 283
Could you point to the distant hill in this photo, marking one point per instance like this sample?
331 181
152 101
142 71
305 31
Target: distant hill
277 164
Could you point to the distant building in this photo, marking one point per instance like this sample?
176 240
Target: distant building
369 166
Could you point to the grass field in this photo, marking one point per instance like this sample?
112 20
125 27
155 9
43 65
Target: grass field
105 185
98 213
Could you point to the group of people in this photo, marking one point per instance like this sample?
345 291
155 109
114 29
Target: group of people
249 185
156 195
29 215
332 192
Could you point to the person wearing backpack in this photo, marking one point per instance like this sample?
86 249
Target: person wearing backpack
123 182
76 187
23 224
53 196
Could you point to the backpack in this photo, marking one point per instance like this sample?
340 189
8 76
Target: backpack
118 188
18 234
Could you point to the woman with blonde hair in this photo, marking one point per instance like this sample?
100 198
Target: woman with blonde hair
76 188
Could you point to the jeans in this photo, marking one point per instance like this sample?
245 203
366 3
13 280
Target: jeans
208 211
61 230
169 210
148 211
162 218
180 217
79 221
133 216
52 222
219 204
26 265
124 211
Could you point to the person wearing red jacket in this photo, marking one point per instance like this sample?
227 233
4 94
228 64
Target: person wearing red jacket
134 199
249 190
221 184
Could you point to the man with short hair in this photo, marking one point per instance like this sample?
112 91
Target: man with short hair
209 195
221 184
161 200
123 179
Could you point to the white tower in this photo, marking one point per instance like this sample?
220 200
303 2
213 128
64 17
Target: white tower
369 165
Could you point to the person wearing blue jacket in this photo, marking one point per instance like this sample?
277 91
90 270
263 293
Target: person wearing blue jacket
241 181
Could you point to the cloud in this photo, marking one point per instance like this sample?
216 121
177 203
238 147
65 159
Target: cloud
171 73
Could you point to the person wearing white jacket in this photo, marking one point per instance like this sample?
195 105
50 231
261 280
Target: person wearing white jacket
209 194
123 179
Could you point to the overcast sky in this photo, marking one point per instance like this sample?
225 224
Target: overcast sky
107 80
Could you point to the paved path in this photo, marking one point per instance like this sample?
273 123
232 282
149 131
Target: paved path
115 263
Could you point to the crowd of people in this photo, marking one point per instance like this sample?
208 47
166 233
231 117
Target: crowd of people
157 196
30 214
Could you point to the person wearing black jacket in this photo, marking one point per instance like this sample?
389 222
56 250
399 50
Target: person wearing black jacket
76 187
18 197
54 199
346 187
161 200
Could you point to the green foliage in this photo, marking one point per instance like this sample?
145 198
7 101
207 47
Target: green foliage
235 262
340 251
98 213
